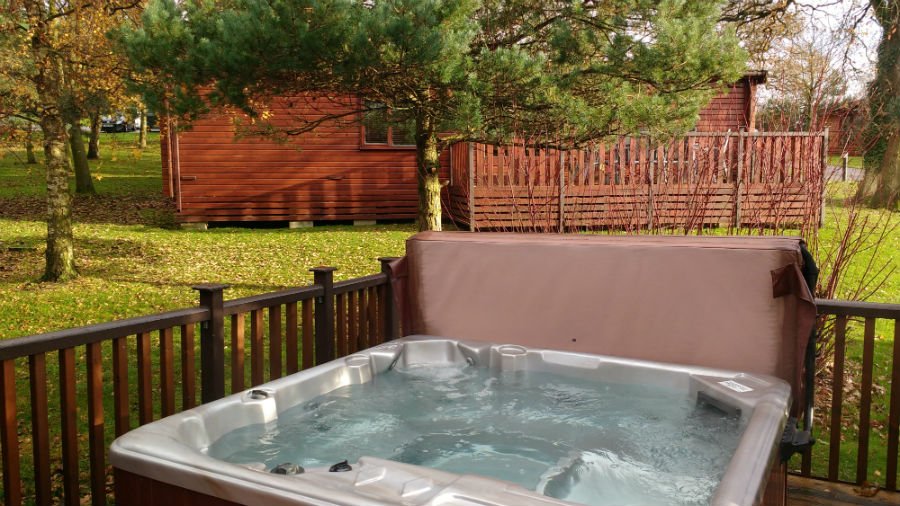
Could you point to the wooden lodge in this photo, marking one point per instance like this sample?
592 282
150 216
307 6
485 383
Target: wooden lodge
846 123
365 171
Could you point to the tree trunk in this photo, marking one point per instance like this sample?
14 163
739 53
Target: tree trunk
60 255
884 93
142 136
887 181
29 146
83 182
94 140
428 165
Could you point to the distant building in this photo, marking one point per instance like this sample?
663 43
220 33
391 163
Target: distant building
845 124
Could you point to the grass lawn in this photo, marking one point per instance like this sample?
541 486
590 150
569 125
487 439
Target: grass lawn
132 266
133 262
855 162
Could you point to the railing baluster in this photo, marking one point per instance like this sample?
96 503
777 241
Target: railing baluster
68 406
378 298
166 372
121 407
275 342
308 337
188 368
371 339
145 379
353 321
865 403
257 355
237 352
290 344
341 313
837 398
894 417
96 443
363 319
9 439
40 430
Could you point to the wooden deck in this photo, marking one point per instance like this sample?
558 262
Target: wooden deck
809 492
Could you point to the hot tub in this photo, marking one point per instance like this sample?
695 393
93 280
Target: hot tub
469 426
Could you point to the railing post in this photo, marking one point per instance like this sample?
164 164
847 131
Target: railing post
324 277
391 324
212 343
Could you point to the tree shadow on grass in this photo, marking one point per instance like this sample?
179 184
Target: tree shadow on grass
110 209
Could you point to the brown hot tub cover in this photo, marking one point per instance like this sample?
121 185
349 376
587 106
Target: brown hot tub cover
736 303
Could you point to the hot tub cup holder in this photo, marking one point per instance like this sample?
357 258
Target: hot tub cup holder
288 468
258 395
359 369
511 358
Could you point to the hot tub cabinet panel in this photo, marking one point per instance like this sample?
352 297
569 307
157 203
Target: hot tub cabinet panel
166 462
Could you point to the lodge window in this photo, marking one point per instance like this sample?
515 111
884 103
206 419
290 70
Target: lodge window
378 131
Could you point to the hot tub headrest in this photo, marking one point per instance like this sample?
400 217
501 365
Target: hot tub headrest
737 303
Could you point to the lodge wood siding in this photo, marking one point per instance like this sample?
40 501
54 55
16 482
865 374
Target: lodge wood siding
731 110
326 174
846 135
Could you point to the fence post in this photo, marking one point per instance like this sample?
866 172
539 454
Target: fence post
845 158
212 343
391 328
821 185
324 277
650 176
739 174
472 174
562 191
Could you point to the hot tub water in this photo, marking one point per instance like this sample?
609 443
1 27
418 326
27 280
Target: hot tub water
569 438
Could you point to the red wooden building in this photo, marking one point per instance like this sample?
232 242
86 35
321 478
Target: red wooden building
845 124
338 172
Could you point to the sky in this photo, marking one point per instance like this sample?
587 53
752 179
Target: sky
828 17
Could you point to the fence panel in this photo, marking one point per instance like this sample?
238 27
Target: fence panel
734 179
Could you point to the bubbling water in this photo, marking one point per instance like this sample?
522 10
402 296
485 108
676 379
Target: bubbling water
580 440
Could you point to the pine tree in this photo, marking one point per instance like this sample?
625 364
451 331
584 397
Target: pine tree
567 72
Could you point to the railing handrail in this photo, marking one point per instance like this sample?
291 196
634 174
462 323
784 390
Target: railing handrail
254 302
359 283
857 308
69 338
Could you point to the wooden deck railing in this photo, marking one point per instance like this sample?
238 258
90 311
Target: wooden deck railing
131 367
138 367
838 442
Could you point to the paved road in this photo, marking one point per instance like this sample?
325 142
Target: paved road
833 172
